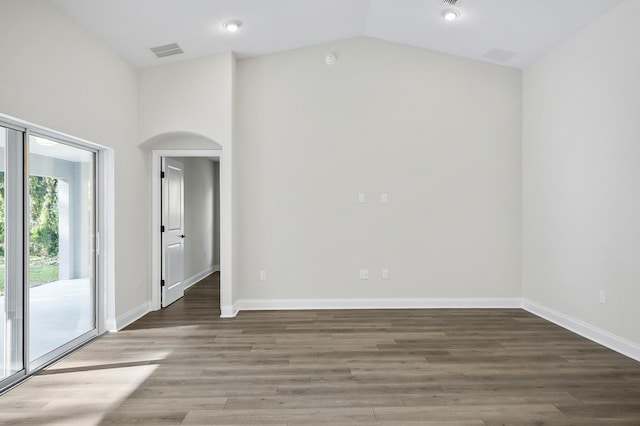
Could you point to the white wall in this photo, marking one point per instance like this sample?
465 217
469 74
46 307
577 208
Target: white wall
191 96
439 134
199 208
190 105
55 74
581 133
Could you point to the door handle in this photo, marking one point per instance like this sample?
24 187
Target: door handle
182 236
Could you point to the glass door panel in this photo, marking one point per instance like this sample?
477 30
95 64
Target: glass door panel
11 289
61 273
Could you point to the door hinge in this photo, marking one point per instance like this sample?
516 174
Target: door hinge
162 228
161 283
161 175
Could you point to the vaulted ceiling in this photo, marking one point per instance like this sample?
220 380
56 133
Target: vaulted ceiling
507 32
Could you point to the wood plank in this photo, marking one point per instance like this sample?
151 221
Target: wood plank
470 367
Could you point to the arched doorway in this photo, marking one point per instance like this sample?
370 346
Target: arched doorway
190 145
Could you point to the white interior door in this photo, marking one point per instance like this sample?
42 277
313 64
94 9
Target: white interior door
173 231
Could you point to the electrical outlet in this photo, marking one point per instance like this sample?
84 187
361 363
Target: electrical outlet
263 275
603 297
384 198
385 274
364 274
361 198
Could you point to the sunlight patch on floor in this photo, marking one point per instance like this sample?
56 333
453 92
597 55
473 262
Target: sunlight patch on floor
84 397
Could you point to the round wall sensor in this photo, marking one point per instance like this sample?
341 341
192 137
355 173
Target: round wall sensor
331 58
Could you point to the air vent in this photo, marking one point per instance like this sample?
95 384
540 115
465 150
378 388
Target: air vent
452 2
167 50
500 55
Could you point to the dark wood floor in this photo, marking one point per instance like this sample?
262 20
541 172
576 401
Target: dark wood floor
185 365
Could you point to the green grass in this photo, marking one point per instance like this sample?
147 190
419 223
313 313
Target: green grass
38 274
42 274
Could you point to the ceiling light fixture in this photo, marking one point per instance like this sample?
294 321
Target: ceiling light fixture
450 14
232 26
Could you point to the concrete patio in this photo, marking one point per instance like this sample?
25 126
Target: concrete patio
60 311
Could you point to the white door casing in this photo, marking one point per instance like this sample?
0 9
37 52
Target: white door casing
226 253
173 235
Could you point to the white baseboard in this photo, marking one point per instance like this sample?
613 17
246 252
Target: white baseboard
229 311
128 317
199 276
304 304
609 340
111 325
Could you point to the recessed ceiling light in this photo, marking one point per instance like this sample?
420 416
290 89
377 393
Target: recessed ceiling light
451 14
232 26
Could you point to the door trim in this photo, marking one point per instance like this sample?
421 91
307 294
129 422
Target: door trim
225 222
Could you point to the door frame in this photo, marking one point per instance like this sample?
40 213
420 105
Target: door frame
225 223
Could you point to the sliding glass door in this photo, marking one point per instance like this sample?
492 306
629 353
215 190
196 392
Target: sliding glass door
48 297
61 247
11 291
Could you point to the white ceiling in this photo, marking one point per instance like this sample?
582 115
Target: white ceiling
528 28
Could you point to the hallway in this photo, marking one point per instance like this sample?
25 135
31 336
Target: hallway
185 365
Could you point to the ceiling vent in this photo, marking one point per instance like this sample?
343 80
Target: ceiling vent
452 2
499 55
167 50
